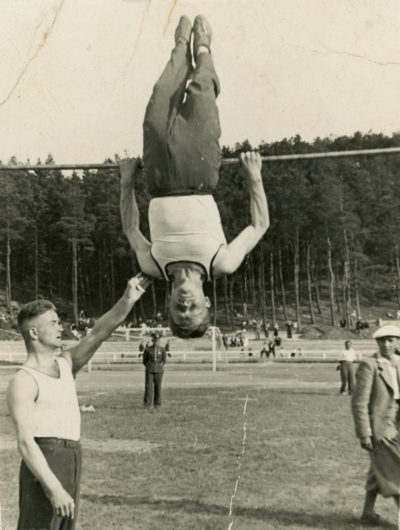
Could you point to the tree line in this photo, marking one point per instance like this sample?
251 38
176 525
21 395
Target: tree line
333 241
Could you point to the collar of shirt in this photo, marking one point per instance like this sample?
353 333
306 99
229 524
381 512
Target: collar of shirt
393 372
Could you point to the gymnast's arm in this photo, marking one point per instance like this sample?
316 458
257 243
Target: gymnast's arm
230 257
129 168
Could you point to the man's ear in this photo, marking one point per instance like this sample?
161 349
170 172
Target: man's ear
33 334
208 302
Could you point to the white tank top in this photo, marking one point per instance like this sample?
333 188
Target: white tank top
185 228
56 410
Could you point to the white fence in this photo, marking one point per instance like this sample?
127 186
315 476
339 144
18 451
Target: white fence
185 351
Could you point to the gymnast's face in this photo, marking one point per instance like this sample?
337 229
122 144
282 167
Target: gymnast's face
188 308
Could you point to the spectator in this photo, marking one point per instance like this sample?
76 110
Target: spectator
154 358
271 348
347 358
375 407
264 350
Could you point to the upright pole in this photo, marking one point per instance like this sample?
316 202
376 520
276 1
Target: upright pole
214 349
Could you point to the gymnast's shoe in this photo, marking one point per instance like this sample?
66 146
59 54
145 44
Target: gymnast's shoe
183 30
202 34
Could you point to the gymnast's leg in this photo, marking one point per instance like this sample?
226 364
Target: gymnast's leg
194 140
161 110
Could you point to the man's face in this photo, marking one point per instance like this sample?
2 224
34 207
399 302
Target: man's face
47 329
348 345
387 346
154 339
188 308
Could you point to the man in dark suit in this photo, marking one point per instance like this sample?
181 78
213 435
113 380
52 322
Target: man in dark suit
375 407
154 358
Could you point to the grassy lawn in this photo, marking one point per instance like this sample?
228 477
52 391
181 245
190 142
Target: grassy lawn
292 454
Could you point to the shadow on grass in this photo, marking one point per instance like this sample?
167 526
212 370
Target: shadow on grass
272 516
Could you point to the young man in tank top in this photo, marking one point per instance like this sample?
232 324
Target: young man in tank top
44 407
182 157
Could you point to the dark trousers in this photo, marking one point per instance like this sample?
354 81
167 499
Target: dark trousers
35 510
152 389
181 151
347 376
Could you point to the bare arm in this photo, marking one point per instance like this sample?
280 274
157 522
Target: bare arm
230 257
81 354
21 394
129 168
128 205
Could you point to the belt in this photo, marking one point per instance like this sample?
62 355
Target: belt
63 442
179 193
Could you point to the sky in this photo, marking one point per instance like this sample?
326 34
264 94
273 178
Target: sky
76 75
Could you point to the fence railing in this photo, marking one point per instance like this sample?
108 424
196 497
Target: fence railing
128 351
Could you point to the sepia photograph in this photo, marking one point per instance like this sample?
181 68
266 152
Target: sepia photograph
199 264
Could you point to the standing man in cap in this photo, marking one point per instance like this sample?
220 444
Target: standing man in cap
346 361
375 407
154 358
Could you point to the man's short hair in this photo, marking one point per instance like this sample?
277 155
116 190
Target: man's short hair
192 332
31 310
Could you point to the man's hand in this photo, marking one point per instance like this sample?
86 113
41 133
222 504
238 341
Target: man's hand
137 286
129 168
366 443
62 502
250 165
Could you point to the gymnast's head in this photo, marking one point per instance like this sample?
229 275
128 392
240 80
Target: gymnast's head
189 314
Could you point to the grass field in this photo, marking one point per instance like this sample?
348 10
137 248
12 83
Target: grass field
279 432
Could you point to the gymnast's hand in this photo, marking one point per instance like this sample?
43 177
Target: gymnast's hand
250 165
129 168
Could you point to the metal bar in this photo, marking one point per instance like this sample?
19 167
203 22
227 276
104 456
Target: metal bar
328 154
225 161
17 167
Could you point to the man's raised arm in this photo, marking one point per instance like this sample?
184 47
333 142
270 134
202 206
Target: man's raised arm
81 354
229 259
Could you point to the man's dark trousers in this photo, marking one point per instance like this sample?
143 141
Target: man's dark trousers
154 358
347 376
64 459
181 151
152 388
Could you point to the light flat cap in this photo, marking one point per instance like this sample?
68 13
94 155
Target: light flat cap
387 331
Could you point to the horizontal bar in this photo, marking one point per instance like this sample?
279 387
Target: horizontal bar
225 161
18 167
